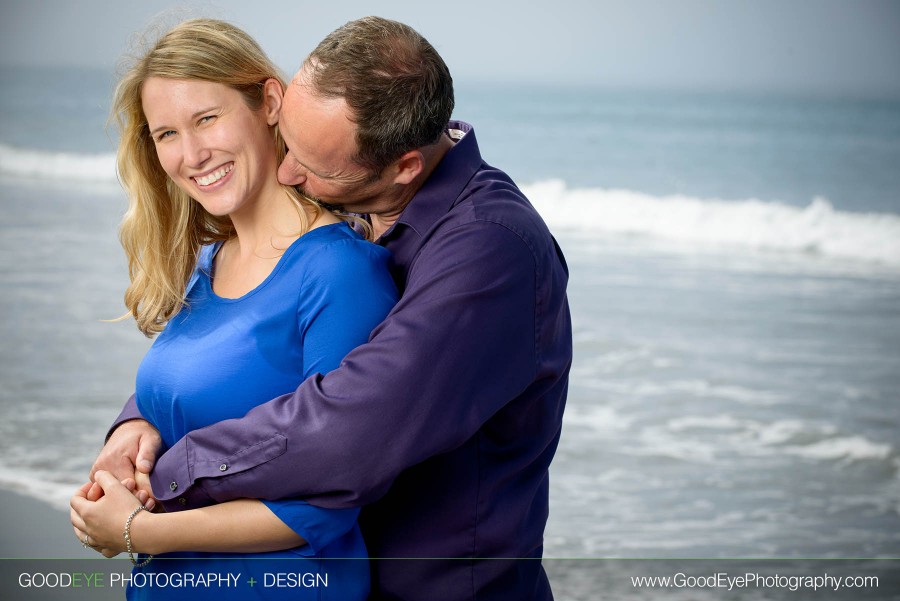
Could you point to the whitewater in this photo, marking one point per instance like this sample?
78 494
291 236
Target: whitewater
686 222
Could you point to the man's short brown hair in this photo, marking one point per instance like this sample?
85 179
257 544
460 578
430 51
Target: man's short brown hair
395 83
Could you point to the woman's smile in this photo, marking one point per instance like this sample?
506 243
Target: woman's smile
214 177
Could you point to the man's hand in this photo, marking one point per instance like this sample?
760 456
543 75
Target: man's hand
143 490
130 451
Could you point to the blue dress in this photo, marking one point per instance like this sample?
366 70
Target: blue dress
220 357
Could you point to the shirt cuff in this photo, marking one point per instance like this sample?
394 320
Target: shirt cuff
179 477
171 481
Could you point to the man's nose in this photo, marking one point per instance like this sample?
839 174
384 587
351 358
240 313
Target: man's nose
290 172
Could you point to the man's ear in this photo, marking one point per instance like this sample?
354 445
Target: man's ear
408 167
273 93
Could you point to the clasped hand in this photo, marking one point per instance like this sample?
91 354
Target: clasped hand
120 482
99 523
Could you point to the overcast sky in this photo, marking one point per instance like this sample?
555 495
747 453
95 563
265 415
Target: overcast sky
835 46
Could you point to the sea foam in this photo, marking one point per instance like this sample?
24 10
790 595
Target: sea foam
817 229
38 485
46 165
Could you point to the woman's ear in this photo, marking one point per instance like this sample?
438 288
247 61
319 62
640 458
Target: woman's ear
272 96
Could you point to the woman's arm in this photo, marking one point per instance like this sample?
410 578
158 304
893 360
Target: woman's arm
243 525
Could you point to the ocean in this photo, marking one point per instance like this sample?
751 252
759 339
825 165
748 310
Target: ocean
735 289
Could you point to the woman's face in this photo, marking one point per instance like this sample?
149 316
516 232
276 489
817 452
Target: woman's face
212 145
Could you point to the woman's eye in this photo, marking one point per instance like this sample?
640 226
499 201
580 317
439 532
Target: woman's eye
165 134
206 119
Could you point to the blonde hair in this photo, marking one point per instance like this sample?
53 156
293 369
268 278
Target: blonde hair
164 228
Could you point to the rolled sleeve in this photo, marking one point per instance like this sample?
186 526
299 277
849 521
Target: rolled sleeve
179 469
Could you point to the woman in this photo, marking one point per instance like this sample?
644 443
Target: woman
252 287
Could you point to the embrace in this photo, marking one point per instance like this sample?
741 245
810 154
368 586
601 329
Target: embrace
363 339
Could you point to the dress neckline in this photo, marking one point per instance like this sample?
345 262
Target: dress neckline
208 269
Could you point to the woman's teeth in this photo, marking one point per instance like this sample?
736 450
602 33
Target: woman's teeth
215 176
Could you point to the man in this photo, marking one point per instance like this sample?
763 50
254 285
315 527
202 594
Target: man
444 424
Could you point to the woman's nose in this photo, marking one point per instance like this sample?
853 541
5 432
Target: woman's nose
196 151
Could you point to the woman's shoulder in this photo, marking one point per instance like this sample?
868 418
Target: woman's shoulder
337 244
337 257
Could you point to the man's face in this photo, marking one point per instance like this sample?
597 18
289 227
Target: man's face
321 141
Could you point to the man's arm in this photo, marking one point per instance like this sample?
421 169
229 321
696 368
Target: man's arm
458 346
129 412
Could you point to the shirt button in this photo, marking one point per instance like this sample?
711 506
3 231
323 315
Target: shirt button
173 486
182 501
223 467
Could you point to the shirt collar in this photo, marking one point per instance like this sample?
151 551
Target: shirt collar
442 189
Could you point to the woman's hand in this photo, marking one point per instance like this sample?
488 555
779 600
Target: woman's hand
140 486
100 524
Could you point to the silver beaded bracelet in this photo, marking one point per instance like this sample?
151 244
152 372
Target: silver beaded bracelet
127 533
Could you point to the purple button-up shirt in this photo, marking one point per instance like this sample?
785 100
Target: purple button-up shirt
444 424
